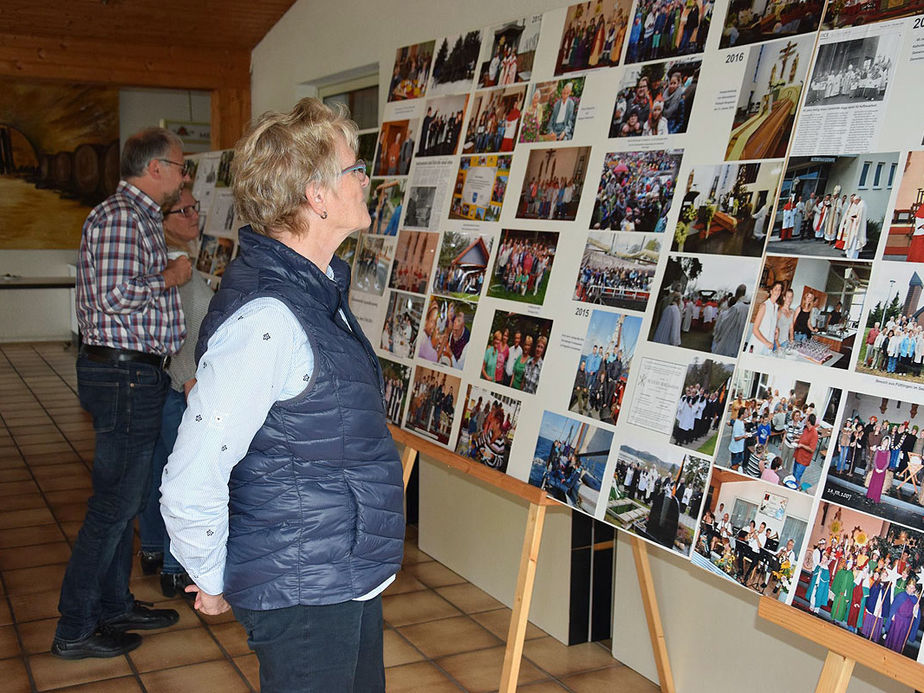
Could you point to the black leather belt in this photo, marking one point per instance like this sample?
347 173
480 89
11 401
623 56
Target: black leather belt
104 354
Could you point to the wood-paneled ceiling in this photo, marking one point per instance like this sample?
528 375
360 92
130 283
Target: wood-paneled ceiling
237 24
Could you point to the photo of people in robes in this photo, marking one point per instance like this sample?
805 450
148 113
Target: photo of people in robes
441 126
489 420
553 183
494 120
414 256
454 63
656 493
592 35
570 459
726 207
704 302
702 401
768 432
508 50
905 241
617 269
833 206
402 320
446 331
656 99
852 71
877 465
411 71
432 404
396 146
551 111
395 377
604 365
747 22
386 202
523 265
666 28
864 574
751 533
635 191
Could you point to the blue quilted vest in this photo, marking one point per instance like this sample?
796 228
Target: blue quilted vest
316 506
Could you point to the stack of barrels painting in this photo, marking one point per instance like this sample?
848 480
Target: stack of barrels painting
89 173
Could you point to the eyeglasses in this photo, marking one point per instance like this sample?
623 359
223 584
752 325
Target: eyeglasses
359 168
184 167
186 211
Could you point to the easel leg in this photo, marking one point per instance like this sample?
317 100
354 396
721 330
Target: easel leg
652 615
835 676
407 463
521 598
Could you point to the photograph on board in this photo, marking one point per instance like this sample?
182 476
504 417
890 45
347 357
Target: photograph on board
494 120
655 99
853 71
667 28
553 183
402 319
878 466
592 35
552 112
865 575
395 148
373 259
480 187
771 87
386 200
411 71
396 377
807 310
346 251
635 190
656 493
749 22
461 264
432 403
523 265
604 364
414 257
752 533
441 126
569 461
420 202
447 330
778 429
489 420
856 13
617 269
905 242
702 401
454 63
726 207
703 303
516 350
833 206
508 51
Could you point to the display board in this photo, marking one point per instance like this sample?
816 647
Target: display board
625 250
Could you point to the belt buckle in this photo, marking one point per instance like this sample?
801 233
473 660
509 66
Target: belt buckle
164 362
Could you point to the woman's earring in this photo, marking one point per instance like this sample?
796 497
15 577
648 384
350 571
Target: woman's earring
324 214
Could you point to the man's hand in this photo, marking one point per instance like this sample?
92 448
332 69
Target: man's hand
210 604
177 272
188 386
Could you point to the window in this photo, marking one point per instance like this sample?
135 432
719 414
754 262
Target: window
892 174
358 90
793 528
877 177
743 513
864 174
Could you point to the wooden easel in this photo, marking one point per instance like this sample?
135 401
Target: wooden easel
538 502
845 649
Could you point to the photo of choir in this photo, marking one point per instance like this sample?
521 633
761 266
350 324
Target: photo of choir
855 70
441 126
552 111
414 257
432 403
656 99
411 71
701 403
592 36
508 57
523 265
516 350
402 319
635 190
447 330
617 269
396 377
666 28
747 22
386 200
494 121
552 184
488 423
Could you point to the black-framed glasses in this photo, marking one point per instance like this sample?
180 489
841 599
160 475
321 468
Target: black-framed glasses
184 167
359 168
186 211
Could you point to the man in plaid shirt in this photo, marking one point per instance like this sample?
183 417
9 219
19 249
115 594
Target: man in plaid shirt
131 322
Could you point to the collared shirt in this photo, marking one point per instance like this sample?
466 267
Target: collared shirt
122 300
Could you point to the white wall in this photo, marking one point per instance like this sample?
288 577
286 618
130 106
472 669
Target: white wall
141 108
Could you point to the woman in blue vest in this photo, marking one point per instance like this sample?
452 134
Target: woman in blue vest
283 497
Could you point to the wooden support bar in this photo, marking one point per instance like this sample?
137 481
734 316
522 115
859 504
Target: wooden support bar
835 675
652 615
516 634
407 462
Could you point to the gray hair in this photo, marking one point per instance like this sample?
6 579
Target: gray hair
145 146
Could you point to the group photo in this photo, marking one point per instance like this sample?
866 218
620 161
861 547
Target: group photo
778 429
441 126
461 264
592 36
704 302
702 401
414 256
432 404
553 183
603 367
374 257
446 332
480 187
507 52
395 149
655 99
751 533
635 191
569 461
656 493
852 71
386 201
402 321
807 310
905 241
494 121
667 28
454 63
833 206
877 466
523 265
516 350
865 575
486 430
747 22
726 207
411 71
396 377
617 269
552 110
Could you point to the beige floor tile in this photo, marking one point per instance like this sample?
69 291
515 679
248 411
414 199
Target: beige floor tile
481 670
549 686
71 512
210 676
6 616
399 651
32 580
448 636
413 555
25 518
226 617
416 607
232 637
250 667
37 635
58 470
9 643
50 672
71 529
32 556
616 678
27 536
126 684
404 582
48 435
434 574
14 677
32 607
44 448
57 498
420 676
37 460
561 660
175 649
498 622
469 598
12 461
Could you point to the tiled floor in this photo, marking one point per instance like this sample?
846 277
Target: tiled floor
442 633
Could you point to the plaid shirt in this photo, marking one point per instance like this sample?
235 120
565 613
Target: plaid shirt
121 298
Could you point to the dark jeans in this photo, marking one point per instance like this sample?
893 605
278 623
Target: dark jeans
318 649
150 522
125 401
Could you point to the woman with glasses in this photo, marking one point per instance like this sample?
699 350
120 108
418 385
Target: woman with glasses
283 497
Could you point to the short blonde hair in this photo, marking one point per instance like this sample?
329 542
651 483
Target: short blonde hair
281 155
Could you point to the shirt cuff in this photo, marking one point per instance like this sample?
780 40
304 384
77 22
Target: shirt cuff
211 582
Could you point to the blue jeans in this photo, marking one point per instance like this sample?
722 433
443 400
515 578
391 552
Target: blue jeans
798 470
125 401
892 361
154 537
318 649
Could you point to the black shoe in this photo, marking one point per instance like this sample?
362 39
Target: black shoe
141 618
151 561
100 644
173 583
